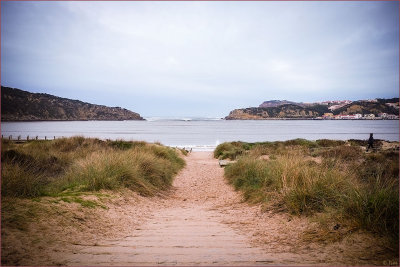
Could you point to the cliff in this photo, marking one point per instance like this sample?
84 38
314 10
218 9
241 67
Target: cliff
19 105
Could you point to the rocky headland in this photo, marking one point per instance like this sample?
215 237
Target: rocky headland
282 109
19 105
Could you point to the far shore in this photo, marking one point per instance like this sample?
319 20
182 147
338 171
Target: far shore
222 119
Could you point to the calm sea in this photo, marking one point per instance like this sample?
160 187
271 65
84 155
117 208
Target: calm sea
206 134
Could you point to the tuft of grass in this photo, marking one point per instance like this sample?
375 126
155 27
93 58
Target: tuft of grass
14 215
329 143
251 176
379 166
19 181
230 150
125 145
375 208
300 142
302 187
357 142
83 202
342 152
145 170
183 151
121 144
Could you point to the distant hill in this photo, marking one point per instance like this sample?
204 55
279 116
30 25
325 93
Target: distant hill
289 111
364 107
277 103
283 109
19 105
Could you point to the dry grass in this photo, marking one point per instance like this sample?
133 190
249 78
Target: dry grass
230 150
304 187
352 188
76 170
39 168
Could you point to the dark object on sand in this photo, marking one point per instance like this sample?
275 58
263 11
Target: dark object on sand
370 141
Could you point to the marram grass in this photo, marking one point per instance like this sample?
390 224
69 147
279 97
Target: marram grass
358 189
39 168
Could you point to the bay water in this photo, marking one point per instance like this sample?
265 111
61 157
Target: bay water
205 134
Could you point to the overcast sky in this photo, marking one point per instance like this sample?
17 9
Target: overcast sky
201 58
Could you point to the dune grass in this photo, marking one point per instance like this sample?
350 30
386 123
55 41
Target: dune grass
357 189
42 168
302 186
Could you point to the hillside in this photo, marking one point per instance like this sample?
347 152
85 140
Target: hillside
289 111
363 107
277 109
277 103
19 105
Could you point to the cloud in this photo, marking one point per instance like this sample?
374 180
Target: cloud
201 52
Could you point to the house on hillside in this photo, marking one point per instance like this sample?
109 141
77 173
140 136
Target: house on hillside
369 116
328 116
392 117
382 115
351 117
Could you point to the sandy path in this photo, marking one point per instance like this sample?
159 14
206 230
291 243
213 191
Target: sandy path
203 221
185 229
188 235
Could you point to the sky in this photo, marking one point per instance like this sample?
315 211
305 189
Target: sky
201 58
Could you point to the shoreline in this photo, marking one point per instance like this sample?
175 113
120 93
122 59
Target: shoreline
206 119
188 148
